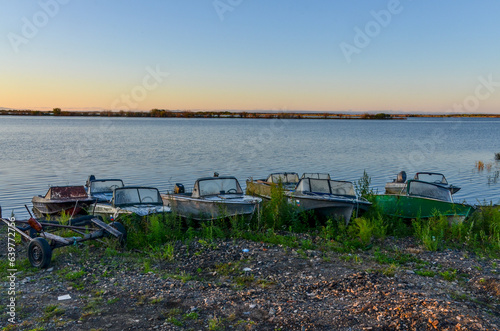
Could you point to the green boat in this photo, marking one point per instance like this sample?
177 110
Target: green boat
423 200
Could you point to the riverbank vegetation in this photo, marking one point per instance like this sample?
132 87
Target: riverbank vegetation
165 113
280 223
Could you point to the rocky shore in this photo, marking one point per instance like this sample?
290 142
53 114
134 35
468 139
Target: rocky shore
246 285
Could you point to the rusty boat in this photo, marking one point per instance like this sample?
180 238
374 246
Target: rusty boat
72 200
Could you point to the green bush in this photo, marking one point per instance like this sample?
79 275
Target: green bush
278 213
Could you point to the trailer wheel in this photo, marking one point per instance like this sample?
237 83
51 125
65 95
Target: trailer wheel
39 253
121 228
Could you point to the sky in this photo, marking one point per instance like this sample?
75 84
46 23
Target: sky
341 56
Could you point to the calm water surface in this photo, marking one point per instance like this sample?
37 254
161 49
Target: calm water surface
38 152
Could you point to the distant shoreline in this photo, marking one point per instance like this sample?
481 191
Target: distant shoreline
157 113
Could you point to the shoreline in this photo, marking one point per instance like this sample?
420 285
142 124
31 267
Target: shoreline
156 113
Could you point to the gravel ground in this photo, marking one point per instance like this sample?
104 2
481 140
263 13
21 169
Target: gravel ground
245 285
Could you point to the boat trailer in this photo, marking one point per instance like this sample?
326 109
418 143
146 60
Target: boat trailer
42 243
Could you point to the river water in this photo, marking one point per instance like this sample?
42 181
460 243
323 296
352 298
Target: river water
38 152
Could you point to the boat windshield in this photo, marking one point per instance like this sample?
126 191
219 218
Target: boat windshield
325 186
431 177
137 195
429 190
315 175
105 186
216 185
283 177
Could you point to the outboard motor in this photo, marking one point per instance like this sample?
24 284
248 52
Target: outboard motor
178 188
401 177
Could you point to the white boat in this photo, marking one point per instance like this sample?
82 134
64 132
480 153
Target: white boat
329 198
211 198
262 187
102 189
128 200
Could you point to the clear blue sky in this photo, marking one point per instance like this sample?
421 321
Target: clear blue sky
427 56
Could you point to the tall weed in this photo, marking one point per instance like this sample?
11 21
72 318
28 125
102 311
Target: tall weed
278 213
362 186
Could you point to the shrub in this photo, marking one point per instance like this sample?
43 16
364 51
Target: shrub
278 213
362 186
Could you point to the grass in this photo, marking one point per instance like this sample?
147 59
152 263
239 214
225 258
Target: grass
396 258
244 281
351 258
226 269
215 323
449 275
74 275
113 300
281 223
52 311
175 321
190 316
93 304
425 273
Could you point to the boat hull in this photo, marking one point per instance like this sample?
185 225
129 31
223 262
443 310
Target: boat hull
208 208
418 207
107 210
263 189
45 207
260 189
327 206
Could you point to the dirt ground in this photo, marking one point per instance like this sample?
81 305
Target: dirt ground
245 285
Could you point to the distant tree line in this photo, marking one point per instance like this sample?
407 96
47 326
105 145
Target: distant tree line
228 114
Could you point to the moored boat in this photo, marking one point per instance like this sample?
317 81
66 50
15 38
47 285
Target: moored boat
102 189
211 198
128 200
262 187
72 200
398 185
316 175
329 198
423 200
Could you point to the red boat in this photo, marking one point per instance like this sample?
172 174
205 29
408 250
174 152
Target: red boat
72 200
